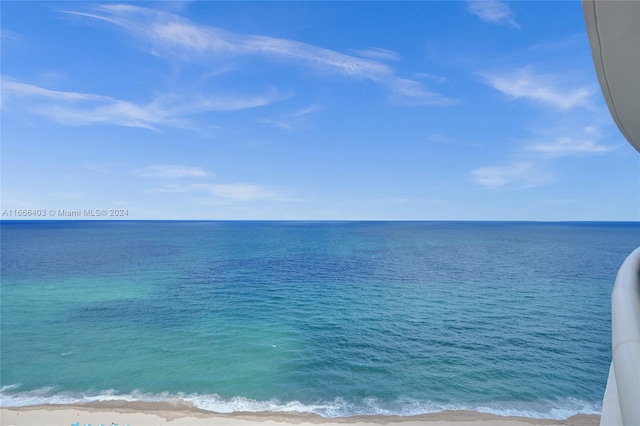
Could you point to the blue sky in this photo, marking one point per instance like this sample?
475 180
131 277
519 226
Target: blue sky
310 110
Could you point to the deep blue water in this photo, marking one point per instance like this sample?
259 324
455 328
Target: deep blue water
337 318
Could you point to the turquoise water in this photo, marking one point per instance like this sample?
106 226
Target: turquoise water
336 318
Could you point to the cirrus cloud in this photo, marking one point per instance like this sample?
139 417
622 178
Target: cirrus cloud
79 109
493 12
232 192
240 191
378 54
522 174
545 89
566 146
169 35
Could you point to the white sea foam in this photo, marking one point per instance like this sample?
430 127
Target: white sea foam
560 409
339 407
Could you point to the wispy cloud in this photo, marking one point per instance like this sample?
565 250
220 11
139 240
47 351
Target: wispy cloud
232 192
240 191
173 188
17 89
522 174
291 121
378 54
170 35
180 178
567 146
523 83
306 111
172 171
74 108
493 12
10 38
410 92
560 45
282 124
569 141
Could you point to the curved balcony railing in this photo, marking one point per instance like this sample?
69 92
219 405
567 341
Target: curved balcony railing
621 405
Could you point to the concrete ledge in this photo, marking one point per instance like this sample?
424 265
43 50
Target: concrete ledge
625 331
611 415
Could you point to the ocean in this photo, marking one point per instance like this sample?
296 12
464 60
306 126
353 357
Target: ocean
333 318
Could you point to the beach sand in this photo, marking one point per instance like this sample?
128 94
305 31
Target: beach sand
148 414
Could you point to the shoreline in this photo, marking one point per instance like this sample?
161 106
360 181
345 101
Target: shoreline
140 413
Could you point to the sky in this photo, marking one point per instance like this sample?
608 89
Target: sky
456 110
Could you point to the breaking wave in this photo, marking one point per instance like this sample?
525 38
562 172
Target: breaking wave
339 407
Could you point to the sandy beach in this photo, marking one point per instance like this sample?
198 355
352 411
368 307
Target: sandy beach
148 414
